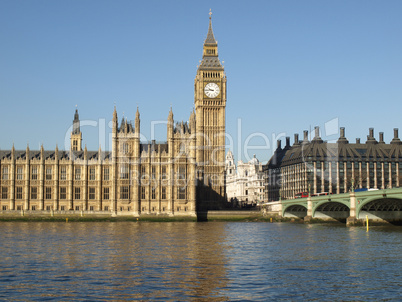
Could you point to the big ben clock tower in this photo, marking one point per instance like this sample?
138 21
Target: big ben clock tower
210 104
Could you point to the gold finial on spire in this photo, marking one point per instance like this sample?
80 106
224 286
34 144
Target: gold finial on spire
210 14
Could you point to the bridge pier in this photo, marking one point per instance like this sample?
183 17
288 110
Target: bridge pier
351 220
309 210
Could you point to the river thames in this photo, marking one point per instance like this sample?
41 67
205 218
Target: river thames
190 261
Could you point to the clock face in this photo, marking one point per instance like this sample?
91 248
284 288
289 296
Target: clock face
211 90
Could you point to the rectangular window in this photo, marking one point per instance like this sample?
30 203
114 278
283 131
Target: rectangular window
181 190
63 173
4 208
33 208
48 194
106 193
18 193
63 192
124 171
92 174
62 208
105 173
4 193
163 192
164 176
20 173
34 174
91 193
124 192
77 208
142 192
4 173
153 193
77 193
106 208
153 173
91 208
49 173
143 170
47 208
77 174
34 193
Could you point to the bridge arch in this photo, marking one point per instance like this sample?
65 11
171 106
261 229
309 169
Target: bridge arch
331 209
383 208
295 210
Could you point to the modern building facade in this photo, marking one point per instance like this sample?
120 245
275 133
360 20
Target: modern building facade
320 167
176 177
244 183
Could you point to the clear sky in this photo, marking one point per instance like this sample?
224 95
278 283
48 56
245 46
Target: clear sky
290 66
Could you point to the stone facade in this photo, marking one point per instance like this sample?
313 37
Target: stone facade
244 183
134 178
319 167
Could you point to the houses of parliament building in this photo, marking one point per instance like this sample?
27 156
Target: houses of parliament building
179 177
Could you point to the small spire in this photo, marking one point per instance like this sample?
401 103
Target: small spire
210 36
137 114
170 117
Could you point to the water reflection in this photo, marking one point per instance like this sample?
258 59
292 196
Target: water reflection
198 261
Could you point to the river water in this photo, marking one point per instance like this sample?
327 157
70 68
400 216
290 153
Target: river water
190 261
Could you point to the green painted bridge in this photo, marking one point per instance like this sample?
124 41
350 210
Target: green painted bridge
382 205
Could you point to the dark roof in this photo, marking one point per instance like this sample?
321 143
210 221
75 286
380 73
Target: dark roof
35 154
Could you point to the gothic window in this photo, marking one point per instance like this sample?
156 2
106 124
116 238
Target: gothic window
34 174
92 174
124 192
106 193
34 193
182 148
4 173
163 192
153 195
18 193
4 193
49 173
142 192
63 192
77 193
63 173
48 193
20 173
124 171
106 173
77 174
125 148
91 193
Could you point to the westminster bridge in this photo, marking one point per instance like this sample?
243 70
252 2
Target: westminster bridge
381 205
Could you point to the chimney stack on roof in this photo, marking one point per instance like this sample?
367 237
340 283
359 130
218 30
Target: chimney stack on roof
305 132
296 138
278 144
396 139
382 137
287 141
357 140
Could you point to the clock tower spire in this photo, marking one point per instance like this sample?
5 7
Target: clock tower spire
210 104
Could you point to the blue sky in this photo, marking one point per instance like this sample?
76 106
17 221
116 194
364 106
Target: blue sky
290 65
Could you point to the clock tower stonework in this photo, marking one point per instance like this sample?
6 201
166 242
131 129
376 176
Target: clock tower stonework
210 104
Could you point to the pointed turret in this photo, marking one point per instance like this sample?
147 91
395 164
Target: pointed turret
76 123
115 121
137 122
170 124
76 135
27 153
56 153
42 153
192 122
